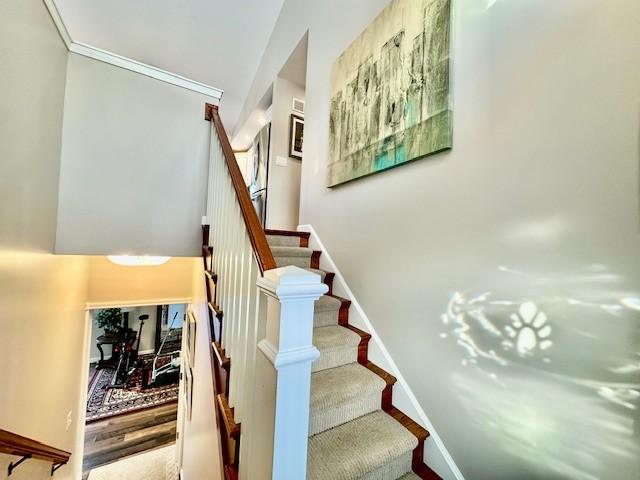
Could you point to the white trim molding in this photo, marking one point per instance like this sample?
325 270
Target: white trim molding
340 284
124 62
138 303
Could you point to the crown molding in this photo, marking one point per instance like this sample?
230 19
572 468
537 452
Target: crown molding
124 62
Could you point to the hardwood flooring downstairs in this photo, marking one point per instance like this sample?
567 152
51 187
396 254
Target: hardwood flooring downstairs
114 438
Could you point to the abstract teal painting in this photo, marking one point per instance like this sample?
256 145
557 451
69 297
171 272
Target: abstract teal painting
390 101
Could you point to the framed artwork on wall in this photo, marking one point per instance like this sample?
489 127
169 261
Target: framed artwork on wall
390 100
296 135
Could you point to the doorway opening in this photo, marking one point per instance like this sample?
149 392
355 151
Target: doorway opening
272 145
133 390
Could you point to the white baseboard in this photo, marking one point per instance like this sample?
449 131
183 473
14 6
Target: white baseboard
327 263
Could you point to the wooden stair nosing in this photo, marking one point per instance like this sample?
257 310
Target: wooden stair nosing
417 459
206 230
230 434
304 236
425 473
216 310
207 254
363 346
315 259
329 277
343 312
233 428
212 276
223 361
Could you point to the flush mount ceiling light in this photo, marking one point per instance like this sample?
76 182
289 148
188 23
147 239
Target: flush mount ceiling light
137 260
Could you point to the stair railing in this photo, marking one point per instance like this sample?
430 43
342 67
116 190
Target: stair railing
26 448
266 329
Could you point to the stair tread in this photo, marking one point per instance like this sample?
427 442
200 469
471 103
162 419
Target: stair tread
356 448
337 345
290 251
334 337
322 273
327 304
347 383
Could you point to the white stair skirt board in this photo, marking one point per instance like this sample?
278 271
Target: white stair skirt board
159 464
435 453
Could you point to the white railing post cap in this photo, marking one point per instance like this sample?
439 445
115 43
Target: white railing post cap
293 283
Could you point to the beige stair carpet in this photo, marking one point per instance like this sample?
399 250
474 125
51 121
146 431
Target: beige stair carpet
159 464
283 241
351 438
373 447
339 395
326 311
337 346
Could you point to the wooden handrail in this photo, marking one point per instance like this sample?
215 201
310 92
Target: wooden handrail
13 444
256 233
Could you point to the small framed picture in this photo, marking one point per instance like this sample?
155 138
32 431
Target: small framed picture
191 338
296 135
188 390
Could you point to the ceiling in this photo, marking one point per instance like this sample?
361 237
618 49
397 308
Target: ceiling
216 42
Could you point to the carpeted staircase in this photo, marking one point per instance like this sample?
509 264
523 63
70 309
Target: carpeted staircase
354 430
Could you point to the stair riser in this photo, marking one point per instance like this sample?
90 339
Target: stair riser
283 241
335 358
302 262
325 319
395 469
324 420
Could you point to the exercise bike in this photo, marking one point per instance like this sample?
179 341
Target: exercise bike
129 360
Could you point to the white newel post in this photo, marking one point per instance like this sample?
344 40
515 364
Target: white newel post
288 344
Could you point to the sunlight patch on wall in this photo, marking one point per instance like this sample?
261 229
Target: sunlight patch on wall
553 376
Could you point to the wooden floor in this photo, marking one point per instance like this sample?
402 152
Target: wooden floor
111 439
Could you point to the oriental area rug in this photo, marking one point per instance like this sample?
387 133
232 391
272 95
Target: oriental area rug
104 402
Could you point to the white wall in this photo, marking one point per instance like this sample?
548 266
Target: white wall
42 296
537 201
33 60
284 181
134 164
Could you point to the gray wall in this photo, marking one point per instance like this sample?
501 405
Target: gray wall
42 296
34 62
535 208
284 182
134 164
